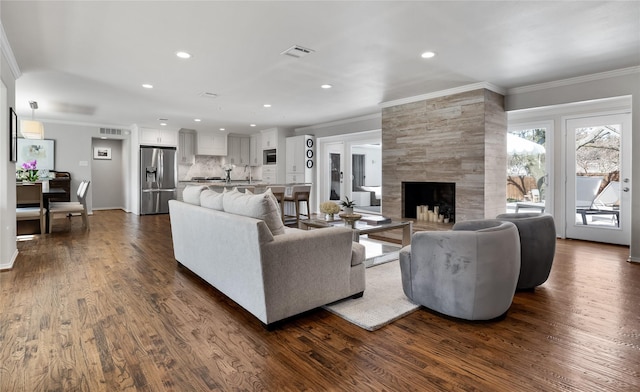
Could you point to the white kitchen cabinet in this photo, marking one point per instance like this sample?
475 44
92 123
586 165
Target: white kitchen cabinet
269 174
212 143
186 146
238 150
255 152
158 137
295 154
270 139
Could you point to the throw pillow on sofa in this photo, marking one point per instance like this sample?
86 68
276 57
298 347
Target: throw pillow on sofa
261 206
191 194
211 199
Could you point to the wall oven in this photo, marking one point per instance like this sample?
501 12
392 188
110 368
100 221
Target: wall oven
269 157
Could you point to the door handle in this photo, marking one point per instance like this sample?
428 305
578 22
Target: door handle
625 189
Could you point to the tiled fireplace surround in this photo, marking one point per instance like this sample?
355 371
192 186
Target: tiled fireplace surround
458 138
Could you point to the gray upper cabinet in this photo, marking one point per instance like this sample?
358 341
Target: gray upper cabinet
186 146
239 150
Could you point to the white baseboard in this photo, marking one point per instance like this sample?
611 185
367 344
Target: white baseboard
633 259
9 265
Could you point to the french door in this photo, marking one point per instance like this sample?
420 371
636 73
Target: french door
598 183
334 177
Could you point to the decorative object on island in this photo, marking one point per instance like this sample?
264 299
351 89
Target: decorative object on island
329 208
29 171
348 205
227 169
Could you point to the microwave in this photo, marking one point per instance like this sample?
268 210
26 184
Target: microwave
269 157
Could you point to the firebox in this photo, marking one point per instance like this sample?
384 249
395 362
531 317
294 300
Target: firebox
440 194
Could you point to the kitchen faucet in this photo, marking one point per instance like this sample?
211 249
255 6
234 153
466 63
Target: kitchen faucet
245 170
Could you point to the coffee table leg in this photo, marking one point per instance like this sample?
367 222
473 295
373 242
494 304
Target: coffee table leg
406 234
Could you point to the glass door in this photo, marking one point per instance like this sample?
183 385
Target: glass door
335 170
528 168
598 192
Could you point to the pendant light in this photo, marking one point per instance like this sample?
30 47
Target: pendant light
31 129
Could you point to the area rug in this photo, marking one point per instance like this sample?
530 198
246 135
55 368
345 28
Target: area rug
382 303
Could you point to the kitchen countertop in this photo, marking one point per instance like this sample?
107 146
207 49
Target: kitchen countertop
222 183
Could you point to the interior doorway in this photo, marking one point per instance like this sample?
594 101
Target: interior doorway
341 175
598 162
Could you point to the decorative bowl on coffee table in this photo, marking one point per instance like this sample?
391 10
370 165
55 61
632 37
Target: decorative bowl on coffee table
350 219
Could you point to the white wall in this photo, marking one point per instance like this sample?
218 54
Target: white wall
8 75
107 180
607 85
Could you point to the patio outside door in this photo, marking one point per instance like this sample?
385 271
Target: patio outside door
598 192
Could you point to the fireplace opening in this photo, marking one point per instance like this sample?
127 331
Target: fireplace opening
432 194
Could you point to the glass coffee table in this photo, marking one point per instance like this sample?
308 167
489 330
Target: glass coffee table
362 228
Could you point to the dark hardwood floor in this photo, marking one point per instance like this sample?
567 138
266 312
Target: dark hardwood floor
109 310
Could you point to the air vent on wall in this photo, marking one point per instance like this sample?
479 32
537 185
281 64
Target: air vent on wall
297 51
110 131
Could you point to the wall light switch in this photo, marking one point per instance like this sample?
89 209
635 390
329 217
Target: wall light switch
83 163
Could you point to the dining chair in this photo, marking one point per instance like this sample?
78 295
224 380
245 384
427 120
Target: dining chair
69 208
29 204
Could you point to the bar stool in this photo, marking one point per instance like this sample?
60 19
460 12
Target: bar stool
278 192
299 194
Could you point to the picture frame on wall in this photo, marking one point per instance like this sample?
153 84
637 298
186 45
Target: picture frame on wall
43 151
102 153
13 135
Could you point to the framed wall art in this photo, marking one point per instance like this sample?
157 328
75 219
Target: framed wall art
41 150
102 153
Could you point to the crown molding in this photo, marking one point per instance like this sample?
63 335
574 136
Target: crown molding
8 53
373 116
444 93
575 80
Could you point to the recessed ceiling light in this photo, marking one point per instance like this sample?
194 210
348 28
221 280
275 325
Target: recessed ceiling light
222 129
147 85
326 86
252 125
163 124
197 120
183 55
267 105
427 55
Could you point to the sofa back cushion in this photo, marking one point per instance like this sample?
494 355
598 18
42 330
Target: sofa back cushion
191 194
262 206
211 199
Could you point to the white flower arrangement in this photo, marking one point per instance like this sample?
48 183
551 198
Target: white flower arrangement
329 207
228 167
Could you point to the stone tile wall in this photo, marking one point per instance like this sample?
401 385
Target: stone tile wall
459 138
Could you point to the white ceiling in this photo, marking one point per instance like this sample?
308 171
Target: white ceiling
85 61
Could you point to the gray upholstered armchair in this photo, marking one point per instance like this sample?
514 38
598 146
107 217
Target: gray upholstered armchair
537 247
469 272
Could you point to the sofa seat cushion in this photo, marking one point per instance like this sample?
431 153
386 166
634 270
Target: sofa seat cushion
211 199
262 206
191 194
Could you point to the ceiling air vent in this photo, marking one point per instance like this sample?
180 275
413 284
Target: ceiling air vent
208 95
110 131
297 51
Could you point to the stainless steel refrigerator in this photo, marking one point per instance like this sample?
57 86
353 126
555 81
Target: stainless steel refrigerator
158 179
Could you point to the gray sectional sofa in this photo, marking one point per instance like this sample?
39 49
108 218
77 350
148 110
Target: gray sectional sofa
238 244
